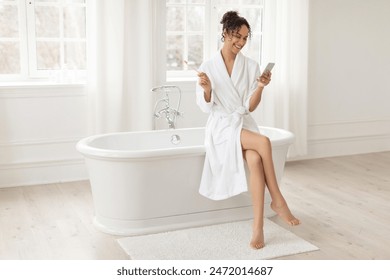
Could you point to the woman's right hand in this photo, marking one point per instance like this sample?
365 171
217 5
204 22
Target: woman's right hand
204 82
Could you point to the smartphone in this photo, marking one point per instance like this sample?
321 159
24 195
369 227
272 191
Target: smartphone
269 67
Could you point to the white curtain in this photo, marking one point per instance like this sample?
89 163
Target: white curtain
284 102
122 56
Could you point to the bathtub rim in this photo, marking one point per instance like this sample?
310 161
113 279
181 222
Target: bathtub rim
91 152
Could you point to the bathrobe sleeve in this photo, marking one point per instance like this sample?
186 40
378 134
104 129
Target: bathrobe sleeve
253 84
202 103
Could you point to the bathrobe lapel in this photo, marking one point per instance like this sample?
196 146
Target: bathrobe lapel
228 93
240 78
238 72
237 83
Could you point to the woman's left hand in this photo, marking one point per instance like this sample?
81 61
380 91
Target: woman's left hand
264 79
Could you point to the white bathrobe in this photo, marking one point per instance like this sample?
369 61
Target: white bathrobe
223 171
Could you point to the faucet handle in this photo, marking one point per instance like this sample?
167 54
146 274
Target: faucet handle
177 113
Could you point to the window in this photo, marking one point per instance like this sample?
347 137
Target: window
42 38
193 31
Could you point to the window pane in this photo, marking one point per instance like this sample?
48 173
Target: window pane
195 50
196 1
9 58
176 1
253 17
8 21
251 2
75 55
253 48
47 22
74 22
175 55
225 2
48 55
195 18
186 30
175 18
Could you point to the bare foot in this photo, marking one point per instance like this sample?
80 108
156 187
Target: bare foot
257 241
284 212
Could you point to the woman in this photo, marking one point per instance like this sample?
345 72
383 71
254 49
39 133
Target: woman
229 88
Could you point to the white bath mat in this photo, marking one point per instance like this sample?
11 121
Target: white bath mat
228 241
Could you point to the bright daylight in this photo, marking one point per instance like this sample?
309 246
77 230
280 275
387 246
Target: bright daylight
138 135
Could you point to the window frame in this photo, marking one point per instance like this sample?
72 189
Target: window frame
210 45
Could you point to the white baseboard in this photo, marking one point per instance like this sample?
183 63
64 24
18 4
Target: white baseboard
348 146
46 172
40 161
347 138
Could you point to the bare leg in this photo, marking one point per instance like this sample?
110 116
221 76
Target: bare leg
257 187
261 144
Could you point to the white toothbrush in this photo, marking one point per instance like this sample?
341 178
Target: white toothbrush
191 67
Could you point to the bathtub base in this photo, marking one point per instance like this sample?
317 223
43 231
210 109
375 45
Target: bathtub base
164 224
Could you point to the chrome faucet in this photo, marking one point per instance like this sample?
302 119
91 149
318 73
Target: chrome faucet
162 106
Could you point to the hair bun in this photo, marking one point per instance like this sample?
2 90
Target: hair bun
232 22
228 16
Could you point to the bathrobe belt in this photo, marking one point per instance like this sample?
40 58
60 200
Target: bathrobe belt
233 150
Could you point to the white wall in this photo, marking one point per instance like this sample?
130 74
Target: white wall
39 127
349 100
349 66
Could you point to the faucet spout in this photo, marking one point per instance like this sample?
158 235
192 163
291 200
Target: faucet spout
166 109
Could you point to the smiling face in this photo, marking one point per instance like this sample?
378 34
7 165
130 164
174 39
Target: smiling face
235 41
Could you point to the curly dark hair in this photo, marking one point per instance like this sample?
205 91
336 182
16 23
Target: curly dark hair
232 22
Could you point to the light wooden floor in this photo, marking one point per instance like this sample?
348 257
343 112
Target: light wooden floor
343 202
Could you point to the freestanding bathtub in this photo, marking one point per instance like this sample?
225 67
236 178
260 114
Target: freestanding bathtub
145 182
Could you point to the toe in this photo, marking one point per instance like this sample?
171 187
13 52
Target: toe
257 246
295 222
